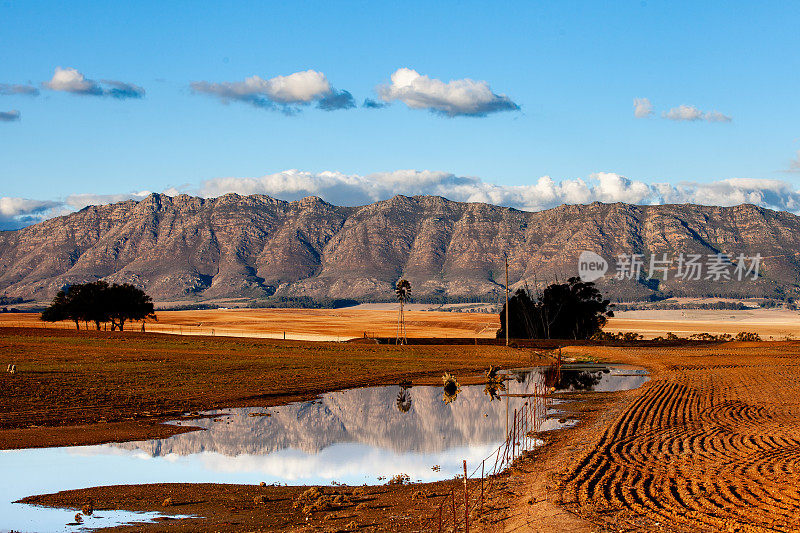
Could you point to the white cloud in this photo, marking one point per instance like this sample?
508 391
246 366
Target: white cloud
683 112
714 116
122 90
16 89
70 80
463 97
689 113
354 189
20 212
79 201
280 92
10 116
12 207
299 87
543 193
642 107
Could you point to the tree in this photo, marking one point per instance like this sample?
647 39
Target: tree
571 310
58 310
126 302
89 302
100 302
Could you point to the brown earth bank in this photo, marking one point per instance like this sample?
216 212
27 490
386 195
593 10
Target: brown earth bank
515 500
710 443
89 387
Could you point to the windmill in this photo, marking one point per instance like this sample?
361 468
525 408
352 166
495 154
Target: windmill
403 290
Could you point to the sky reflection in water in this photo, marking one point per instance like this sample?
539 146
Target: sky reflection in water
354 436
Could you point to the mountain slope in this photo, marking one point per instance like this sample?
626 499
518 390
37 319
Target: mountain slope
187 248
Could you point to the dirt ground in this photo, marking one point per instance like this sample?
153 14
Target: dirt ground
87 387
710 443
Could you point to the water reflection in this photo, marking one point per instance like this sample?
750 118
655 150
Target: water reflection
494 384
566 379
450 388
403 401
351 436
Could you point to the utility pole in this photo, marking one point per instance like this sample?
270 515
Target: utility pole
507 324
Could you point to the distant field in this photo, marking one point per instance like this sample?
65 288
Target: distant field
770 324
343 324
301 324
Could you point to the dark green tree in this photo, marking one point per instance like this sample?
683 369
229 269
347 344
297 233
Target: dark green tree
89 302
126 302
571 310
100 302
59 310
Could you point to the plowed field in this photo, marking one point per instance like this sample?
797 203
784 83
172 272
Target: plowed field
711 443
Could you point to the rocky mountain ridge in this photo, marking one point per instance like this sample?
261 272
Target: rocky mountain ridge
187 248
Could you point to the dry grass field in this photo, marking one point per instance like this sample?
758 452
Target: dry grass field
343 324
300 324
69 378
770 324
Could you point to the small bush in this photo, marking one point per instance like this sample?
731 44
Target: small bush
314 499
747 336
400 479
620 336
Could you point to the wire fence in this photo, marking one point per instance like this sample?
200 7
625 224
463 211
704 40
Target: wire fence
453 515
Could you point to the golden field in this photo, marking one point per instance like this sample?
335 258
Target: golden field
299 324
381 321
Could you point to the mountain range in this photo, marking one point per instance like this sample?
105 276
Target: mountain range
191 249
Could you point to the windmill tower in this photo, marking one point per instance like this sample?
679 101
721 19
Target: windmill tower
403 291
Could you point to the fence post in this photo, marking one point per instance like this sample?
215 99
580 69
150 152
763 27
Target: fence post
514 438
466 499
525 429
453 499
483 464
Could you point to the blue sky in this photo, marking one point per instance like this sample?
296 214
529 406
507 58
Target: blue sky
573 70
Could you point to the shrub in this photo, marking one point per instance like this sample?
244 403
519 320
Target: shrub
571 310
400 479
747 336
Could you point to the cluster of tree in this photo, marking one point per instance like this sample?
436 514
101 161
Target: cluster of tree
571 310
302 302
6 300
728 306
99 302
745 336
619 336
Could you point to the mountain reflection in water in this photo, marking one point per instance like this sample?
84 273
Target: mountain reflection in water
353 436
397 419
